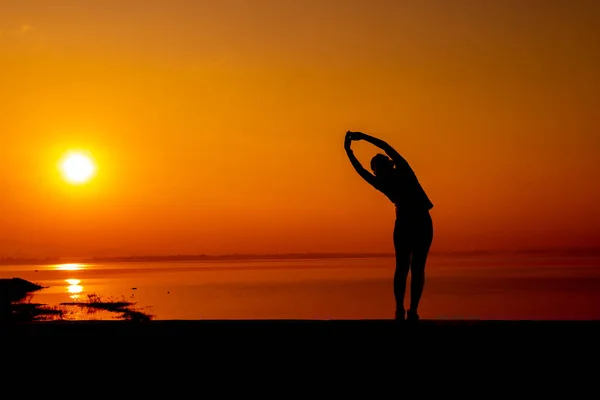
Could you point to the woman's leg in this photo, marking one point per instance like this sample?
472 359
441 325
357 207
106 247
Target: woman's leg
402 250
422 239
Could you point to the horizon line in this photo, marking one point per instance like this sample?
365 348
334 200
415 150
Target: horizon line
565 251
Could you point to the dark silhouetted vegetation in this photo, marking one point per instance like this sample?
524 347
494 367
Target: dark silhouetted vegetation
124 308
16 305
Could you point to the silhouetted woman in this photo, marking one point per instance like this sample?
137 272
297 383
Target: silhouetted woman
413 229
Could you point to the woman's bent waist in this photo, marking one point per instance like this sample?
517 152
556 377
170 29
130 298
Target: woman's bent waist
403 211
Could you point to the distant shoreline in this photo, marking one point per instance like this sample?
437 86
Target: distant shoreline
564 252
183 258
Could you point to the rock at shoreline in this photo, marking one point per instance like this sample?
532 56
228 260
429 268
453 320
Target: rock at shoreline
16 289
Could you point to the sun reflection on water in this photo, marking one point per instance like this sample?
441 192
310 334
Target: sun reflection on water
74 288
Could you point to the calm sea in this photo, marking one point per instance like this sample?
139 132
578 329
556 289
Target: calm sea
467 287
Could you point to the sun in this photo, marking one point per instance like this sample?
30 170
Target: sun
77 167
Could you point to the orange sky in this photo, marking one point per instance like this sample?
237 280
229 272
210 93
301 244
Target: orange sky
218 126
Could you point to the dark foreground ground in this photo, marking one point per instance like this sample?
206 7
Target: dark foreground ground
510 352
531 331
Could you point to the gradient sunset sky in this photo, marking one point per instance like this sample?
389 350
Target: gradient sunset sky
217 126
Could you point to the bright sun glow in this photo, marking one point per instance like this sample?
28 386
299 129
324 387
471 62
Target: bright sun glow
77 167
69 267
